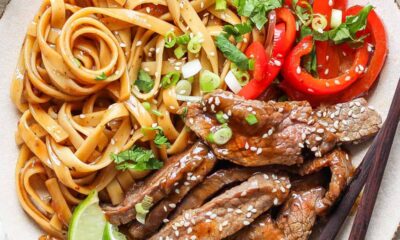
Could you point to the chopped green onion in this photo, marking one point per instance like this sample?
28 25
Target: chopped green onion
101 77
180 51
209 81
146 106
319 22
221 136
183 87
156 112
183 39
252 62
191 79
170 39
251 119
194 45
243 77
220 117
170 79
220 5
143 208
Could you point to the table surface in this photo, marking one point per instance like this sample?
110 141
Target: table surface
12 28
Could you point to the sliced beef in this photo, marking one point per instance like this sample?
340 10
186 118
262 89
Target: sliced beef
211 185
229 212
161 183
298 215
283 129
263 228
351 122
341 168
160 212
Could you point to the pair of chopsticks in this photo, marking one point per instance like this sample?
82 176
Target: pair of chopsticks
370 173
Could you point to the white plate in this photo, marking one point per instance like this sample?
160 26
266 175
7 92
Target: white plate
18 226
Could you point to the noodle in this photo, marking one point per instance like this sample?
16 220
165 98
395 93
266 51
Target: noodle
75 87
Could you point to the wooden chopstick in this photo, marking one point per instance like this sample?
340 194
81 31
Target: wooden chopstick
381 155
375 158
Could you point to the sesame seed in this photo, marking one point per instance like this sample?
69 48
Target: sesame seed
320 130
246 146
318 138
138 43
259 151
274 190
165 220
314 149
283 189
172 205
238 211
276 201
347 78
246 223
298 70
301 145
253 148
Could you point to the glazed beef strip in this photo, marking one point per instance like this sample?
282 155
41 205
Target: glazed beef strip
341 169
160 212
229 212
161 183
351 122
210 186
295 219
282 131
264 227
298 215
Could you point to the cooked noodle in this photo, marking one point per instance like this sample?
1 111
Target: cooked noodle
71 122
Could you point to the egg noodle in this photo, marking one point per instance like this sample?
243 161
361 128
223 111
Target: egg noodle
71 122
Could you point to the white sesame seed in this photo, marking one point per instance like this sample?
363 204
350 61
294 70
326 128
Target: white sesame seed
138 43
246 223
314 149
320 130
172 205
238 211
259 151
276 201
246 146
165 220
298 70
301 145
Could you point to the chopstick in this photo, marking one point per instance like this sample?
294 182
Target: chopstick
373 164
381 155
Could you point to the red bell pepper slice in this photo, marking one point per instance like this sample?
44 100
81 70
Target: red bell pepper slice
328 58
256 51
377 32
305 82
284 37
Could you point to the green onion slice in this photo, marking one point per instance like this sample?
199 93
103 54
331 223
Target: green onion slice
194 45
170 39
209 81
221 136
183 87
251 119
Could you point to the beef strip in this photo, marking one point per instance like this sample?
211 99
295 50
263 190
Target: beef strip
352 122
341 168
160 184
282 130
263 228
160 212
298 215
229 212
211 185
296 218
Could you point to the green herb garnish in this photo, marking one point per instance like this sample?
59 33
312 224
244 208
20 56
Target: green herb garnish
231 52
136 158
101 77
256 10
144 82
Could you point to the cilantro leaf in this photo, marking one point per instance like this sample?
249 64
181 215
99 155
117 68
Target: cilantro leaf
161 139
238 30
101 77
144 82
137 158
231 52
256 10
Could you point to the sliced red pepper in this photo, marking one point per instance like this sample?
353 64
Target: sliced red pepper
305 82
284 37
340 5
377 32
256 51
328 58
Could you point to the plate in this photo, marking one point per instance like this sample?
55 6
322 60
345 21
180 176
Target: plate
18 226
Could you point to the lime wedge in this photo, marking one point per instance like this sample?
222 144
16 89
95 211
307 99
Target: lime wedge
111 233
88 220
